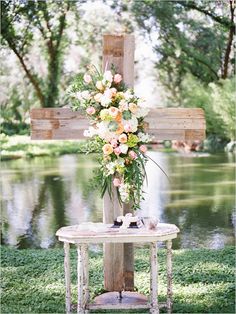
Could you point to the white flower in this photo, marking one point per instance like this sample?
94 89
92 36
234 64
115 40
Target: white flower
145 137
128 94
78 95
85 95
133 123
123 105
124 192
108 76
103 131
111 167
141 112
105 101
90 132
124 148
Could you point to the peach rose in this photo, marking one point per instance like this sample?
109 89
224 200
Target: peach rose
107 149
133 107
117 78
143 149
90 110
98 97
123 138
113 111
120 129
99 85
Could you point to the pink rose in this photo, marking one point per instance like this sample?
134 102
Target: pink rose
116 182
132 154
127 127
87 78
114 143
117 78
117 150
90 110
143 149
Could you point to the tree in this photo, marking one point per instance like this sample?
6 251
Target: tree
191 37
26 22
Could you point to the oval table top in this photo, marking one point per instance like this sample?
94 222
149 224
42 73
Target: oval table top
104 233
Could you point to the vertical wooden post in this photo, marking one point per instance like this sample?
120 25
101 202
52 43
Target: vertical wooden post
118 50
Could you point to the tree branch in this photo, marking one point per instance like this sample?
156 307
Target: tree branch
222 20
30 76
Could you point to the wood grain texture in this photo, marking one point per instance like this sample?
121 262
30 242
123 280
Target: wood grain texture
183 124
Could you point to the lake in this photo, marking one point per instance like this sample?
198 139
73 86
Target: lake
40 195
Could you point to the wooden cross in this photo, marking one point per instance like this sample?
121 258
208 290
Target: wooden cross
163 123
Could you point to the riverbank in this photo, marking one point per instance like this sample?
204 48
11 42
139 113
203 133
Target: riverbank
21 146
33 280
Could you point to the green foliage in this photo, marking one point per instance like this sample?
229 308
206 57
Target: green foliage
217 100
189 37
33 280
23 23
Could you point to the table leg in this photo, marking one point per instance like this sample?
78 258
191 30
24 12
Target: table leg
85 275
67 276
80 309
169 276
154 280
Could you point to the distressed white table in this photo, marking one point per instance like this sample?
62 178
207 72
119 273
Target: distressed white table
85 234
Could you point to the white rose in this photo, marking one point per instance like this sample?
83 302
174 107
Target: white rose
85 94
124 148
108 76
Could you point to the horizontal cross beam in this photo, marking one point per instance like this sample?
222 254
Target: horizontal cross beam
183 124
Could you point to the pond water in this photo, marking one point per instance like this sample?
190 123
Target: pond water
42 194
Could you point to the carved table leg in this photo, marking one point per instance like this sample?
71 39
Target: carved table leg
80 309
169 276
154 280
85 276
67 276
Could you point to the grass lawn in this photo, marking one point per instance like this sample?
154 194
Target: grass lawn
33 280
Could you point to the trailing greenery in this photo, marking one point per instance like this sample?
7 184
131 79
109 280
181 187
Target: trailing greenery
33 280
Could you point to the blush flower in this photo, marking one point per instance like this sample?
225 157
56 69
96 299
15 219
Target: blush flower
113 111
143 149
117 151
132 154
127 127
87 78
114 143
107 149
90 110
108 76
98 97
116 182
123 138
117 78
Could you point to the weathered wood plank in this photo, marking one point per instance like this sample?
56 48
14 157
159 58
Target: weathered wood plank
163 123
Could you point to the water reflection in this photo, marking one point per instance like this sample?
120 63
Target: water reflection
40 195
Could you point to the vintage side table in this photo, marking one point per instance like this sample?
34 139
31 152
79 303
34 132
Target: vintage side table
91 233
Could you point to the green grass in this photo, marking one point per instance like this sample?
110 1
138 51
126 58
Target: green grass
21 146
33 280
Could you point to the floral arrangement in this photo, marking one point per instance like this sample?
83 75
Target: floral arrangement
117 128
